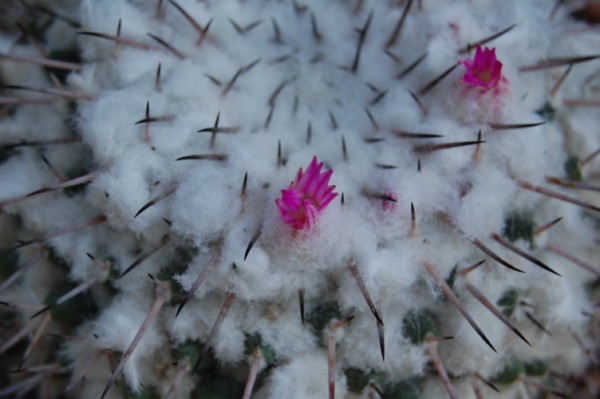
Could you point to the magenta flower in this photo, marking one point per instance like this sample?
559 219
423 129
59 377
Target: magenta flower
306 197
484 70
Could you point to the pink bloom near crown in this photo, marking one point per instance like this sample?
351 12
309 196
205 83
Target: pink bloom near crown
484 70
306 197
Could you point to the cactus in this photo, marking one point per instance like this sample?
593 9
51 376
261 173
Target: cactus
153 245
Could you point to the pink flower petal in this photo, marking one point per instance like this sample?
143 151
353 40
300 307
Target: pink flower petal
307 196
484 70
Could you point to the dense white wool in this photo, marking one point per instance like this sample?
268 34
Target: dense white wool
21 74
115 330
31 124
481 213
22 181
211 212
270 319
109 125
303 377
36 279
467 351
282 92
403 359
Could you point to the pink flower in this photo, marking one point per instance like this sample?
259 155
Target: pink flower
390 205
306 197
484 70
